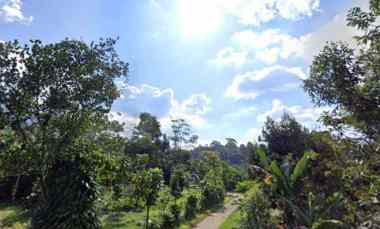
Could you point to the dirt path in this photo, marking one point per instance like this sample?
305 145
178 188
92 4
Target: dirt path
214 220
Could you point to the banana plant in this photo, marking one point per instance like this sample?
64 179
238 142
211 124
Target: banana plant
283 181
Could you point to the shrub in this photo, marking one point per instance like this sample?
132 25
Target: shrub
167 220
244 186
212 195
191 207
70 202
257 212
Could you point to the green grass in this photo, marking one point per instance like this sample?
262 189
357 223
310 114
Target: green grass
13 217
232 222
124 220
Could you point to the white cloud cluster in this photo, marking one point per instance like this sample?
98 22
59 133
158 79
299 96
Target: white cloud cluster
257 12
239 90
271 45
305 115
267 46
11 11
163 104
230 57
251 135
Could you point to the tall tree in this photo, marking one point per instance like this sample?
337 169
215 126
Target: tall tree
148 125
348 79
50 96
285 137
147 185
182 133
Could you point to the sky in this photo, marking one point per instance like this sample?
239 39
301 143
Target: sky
222 65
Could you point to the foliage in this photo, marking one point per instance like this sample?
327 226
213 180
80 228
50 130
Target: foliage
347 80
213 190
244 186
256 210
182 133
230 152
50 96
285 137
231 176
147 184
72 191
191 207
177 182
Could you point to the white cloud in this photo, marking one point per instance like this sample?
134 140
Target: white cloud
294 9
197 104
251 135
236 91
11 11
257 12
267 46
163 104
241 113
129 122
269 56
271 45
230 56
307 116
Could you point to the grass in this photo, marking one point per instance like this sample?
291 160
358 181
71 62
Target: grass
124 220
13 217
232 222
135 220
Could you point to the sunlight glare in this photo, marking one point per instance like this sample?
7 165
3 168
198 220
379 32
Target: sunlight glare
199 18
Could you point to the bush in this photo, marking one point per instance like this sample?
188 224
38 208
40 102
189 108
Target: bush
191 207
70 201
167 220
244 186
212 195
176 212
257 212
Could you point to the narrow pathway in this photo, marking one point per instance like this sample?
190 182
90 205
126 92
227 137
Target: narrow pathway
214 220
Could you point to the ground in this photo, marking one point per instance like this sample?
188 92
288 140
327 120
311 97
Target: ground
216 219
14 217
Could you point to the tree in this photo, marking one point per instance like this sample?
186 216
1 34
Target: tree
213 190
50 96
147 184
148 125
182 133
72 190
285 137
177 183
348 79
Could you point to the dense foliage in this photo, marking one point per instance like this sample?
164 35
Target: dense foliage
83 172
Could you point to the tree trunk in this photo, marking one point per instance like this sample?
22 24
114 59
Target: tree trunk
15 189
147 218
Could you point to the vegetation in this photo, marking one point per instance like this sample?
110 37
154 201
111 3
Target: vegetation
64 164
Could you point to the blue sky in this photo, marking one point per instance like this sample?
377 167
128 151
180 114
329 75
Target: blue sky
223 65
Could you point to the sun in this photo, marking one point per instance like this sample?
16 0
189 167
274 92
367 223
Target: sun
198 18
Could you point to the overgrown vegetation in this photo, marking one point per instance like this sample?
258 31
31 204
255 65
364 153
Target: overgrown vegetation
65 164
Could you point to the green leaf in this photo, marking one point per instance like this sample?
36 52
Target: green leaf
301 166
280 177
263 158
332 223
